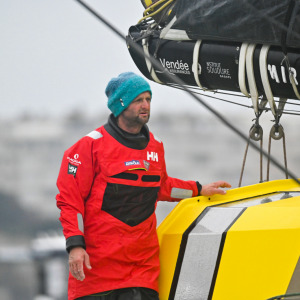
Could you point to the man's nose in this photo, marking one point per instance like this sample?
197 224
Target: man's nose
146 103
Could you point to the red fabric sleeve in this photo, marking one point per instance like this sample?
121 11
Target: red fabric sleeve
74 183
171 187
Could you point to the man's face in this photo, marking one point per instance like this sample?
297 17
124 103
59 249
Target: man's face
138 112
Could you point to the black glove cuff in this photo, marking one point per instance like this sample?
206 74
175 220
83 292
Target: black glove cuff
75 241
199 186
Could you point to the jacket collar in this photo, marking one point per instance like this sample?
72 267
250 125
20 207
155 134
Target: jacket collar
137 141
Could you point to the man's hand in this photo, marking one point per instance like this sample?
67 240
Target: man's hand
77 257
213 188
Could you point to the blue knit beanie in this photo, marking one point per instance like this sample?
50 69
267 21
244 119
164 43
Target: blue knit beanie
122 90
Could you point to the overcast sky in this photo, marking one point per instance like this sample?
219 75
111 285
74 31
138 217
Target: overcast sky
56 57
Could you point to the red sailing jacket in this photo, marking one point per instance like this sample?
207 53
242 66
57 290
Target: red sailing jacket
107 197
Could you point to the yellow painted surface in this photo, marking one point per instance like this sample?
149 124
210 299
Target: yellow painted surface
257 257
170 234
148 2
260 253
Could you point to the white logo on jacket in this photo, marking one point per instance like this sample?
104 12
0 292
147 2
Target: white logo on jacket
74 160
152 156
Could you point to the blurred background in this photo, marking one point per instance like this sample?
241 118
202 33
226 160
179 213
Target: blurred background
55 62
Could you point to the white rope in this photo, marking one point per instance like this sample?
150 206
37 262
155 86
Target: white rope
167 28
291 76
173 34
292 80
251 77
264 77
148 62
195 63
242 70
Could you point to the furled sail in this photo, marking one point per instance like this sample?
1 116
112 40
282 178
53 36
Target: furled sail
252 47
251 21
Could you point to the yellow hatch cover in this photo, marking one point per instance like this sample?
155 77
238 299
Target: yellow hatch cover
244 245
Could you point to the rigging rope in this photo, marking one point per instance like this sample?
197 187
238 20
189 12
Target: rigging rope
155 12
256 134
179 82
286 111
277 133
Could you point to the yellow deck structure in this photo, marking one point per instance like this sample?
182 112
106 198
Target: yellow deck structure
244 245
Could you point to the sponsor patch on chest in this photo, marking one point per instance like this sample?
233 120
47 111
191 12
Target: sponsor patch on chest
132 163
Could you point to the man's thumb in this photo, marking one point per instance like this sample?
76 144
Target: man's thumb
87 261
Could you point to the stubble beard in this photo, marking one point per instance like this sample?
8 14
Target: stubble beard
139 121
132 122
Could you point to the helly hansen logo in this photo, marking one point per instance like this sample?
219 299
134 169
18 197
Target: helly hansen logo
152 156
132 163
72 169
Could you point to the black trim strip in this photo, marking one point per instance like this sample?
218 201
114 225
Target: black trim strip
151 178
127 176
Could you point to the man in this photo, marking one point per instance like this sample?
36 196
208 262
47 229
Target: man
109 184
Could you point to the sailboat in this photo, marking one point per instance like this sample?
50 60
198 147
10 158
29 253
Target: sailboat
244 245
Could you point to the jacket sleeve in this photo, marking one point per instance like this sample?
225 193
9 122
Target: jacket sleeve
74 183
173 189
